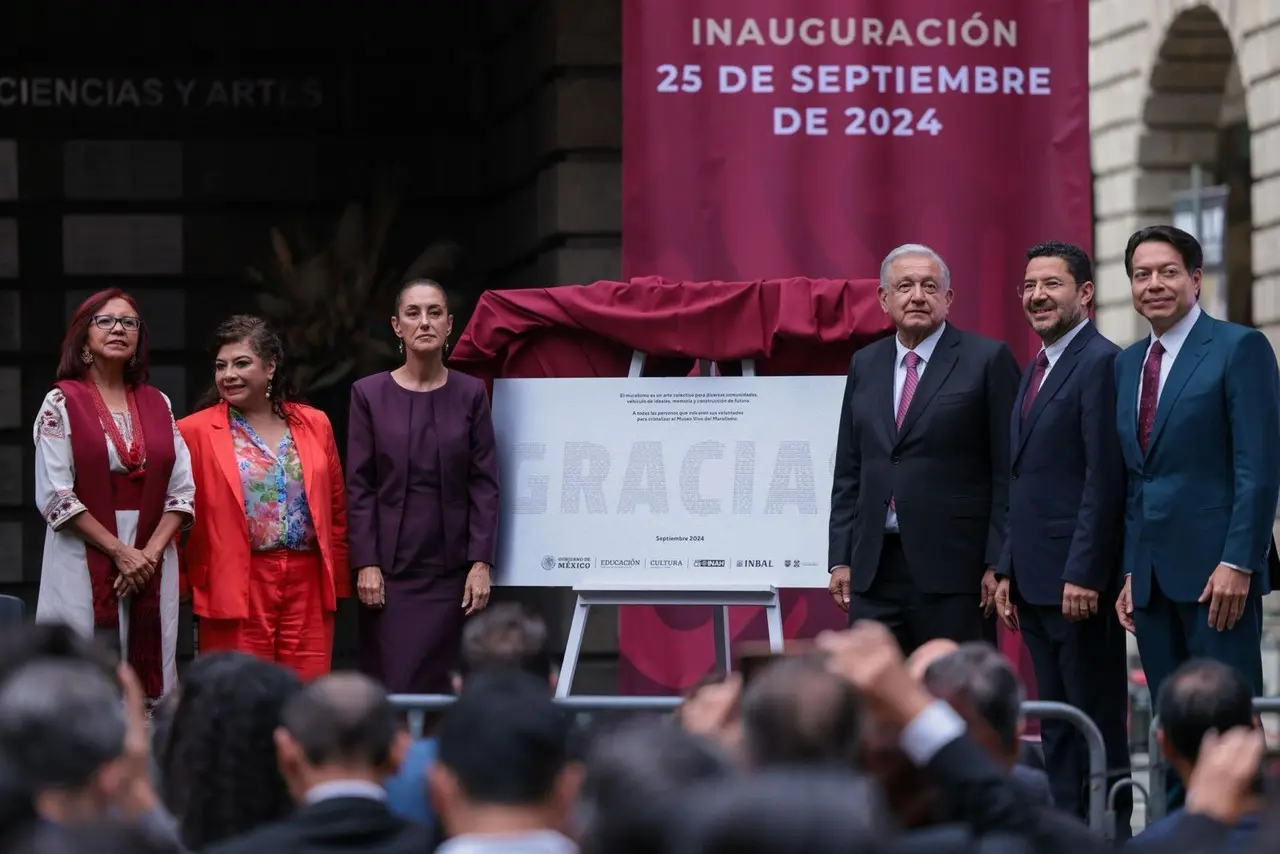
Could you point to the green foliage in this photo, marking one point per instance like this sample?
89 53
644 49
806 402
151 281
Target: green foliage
332 304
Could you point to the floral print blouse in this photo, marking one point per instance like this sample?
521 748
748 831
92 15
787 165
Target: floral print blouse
275 501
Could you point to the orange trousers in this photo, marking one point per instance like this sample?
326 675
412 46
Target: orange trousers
287 622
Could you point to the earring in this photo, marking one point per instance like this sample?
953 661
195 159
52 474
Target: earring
400 345
268 388
86 356
446 348
133 360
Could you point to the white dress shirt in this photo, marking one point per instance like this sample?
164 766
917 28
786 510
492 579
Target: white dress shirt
1054 351
925 351
345 789
930 731
1172 341
526 842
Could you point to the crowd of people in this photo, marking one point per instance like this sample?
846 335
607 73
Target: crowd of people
848 747
1098 491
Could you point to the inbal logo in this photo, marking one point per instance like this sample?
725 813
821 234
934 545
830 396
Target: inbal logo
756 564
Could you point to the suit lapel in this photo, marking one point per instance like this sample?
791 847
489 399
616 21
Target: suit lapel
1129 367
1189 357
883 369
936 371
1015 417
1058 375
309 456
224 451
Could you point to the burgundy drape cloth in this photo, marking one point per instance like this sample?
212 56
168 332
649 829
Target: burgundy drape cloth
592 330
788 326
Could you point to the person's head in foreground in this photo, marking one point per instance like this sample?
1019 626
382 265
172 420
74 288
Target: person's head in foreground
341 727
62 732
503 764
1200 696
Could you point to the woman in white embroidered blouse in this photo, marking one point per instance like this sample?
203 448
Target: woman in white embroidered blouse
113 481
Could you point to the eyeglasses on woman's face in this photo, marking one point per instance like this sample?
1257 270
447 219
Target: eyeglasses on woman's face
107 322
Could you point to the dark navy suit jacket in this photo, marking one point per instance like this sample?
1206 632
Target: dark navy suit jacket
1066 485
1206 490
946 470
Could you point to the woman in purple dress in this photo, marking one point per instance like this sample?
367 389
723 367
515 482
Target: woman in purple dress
422 501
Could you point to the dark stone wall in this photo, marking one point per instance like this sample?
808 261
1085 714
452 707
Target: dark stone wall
496 122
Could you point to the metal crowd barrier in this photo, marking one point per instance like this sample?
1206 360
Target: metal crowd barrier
1159 770
418 704
1101 818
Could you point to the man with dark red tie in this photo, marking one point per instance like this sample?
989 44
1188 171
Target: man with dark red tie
1198 411
1060 570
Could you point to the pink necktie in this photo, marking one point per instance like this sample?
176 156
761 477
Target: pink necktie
1150 395
908 391
908 386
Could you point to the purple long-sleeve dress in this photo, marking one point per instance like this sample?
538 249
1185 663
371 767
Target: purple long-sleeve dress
422 504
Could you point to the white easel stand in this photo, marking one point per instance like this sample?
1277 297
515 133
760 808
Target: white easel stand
721 596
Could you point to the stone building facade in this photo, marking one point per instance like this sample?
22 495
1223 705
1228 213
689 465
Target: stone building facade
1175 83
496 122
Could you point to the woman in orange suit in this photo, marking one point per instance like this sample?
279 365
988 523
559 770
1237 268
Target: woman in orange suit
267 561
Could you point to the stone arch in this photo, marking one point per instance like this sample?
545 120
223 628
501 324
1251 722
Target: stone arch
1195 113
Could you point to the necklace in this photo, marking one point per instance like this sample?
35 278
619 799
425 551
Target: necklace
133 454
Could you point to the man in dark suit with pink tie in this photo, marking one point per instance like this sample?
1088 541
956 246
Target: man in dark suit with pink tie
921 479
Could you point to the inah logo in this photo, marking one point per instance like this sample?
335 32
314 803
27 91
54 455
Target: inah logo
711 563
548 562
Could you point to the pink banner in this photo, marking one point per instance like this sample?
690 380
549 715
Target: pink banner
767 139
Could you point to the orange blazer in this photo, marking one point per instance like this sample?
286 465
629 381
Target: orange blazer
216 555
